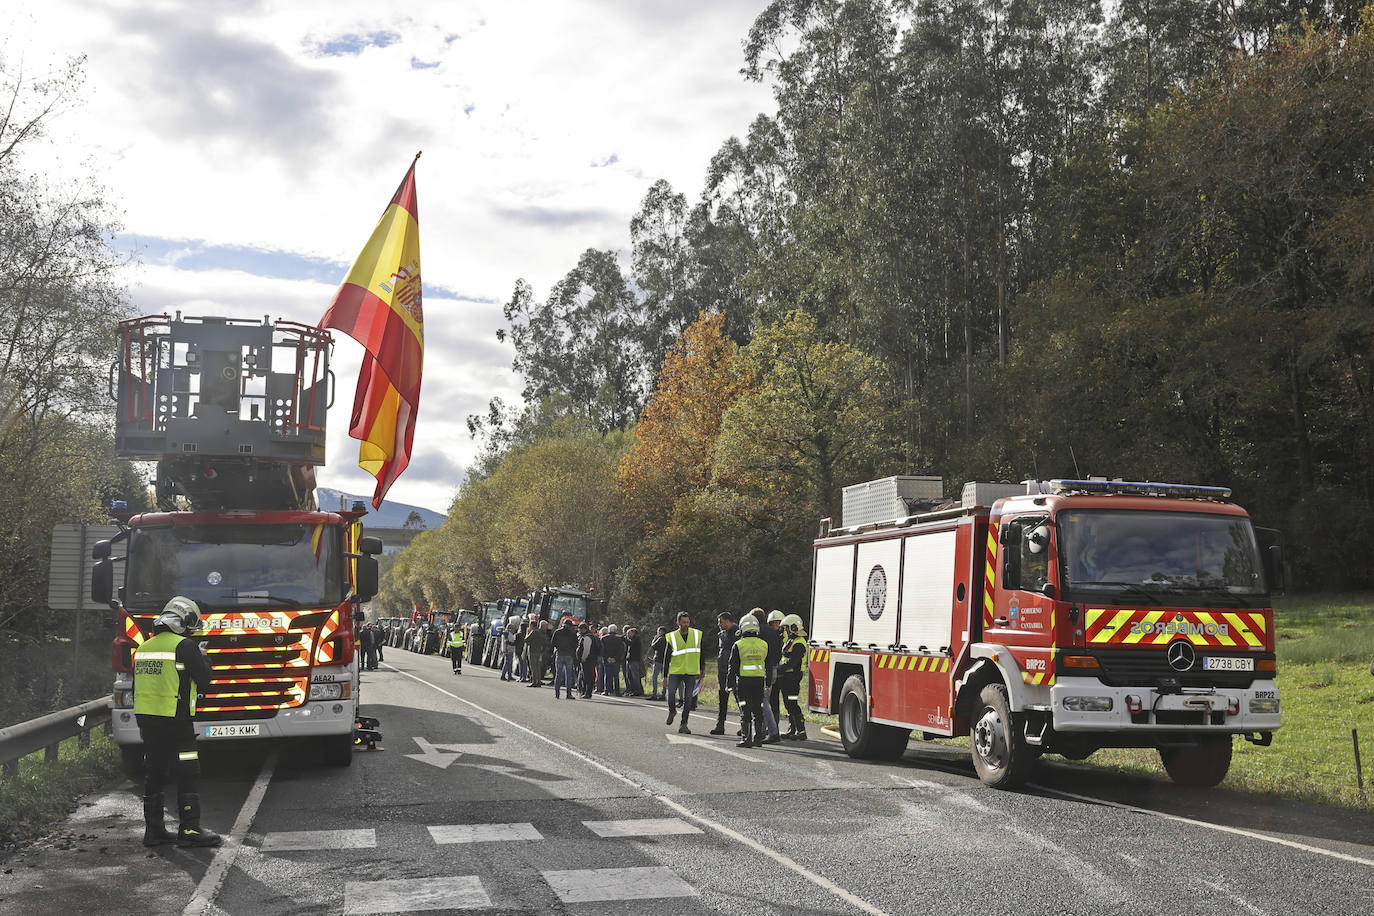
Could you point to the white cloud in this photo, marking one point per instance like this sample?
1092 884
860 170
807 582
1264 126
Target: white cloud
286 126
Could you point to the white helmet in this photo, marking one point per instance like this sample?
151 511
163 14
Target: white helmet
181 615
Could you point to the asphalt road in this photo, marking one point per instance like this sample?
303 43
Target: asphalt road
495 797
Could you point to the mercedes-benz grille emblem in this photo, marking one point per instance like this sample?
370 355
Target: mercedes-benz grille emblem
1181 655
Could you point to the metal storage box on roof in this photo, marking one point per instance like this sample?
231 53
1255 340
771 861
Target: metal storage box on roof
884 500
977 493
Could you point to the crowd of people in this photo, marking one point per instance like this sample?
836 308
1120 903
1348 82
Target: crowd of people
760 660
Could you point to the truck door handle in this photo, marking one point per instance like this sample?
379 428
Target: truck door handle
1000 621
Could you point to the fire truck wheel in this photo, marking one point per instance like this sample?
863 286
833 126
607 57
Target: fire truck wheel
863 739
1202 765
131 761
337 750
1000 753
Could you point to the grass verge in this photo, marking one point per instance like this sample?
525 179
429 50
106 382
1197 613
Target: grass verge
44 793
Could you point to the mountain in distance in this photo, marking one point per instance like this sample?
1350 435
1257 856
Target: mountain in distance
391 515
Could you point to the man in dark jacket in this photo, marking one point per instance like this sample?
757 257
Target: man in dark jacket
612 654
564 657
588 651
536 647
727 635
634 663
774 639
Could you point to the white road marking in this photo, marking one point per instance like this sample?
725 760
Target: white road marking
599 884
1234 898
209 885
483 833
1221 828
710 746
432 755
916 783
413 895
818 880
643 826
319 839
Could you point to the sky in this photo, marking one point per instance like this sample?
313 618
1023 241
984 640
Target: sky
250 147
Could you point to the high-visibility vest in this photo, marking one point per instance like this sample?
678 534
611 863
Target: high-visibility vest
753 652
455 639
686 658
787 662
157 676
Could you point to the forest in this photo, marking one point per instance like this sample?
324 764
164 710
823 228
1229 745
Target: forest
979 239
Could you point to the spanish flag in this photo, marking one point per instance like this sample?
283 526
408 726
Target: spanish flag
378 305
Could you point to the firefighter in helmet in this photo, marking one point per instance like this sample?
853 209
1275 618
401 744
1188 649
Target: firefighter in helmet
748 675
169 671
790 674
776 639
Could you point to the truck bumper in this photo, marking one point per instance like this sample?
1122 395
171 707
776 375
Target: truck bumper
1193 710
313 720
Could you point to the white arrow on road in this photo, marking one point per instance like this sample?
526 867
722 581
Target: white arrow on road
710 745
435 754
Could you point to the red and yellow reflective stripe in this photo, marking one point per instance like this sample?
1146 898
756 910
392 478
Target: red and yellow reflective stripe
990 576
1214 629
930 663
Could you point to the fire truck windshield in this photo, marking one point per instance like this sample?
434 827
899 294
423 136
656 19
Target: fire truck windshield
1181 558
235 566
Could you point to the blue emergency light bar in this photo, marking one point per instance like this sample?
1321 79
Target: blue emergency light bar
1139 488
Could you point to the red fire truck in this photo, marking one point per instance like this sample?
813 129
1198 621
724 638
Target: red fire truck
234 414
1077 615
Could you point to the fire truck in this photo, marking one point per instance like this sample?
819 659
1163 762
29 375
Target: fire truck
233 413
1060 617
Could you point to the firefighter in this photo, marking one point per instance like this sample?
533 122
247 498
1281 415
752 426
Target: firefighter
169 671
775 638
456 643
790 674
748 675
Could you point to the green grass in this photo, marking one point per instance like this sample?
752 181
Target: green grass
44 793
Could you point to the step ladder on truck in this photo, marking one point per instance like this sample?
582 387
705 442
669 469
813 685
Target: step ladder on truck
1046 617
233 413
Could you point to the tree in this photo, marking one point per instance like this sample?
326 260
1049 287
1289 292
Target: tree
582 342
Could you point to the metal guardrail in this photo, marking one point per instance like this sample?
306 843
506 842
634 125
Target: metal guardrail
46 733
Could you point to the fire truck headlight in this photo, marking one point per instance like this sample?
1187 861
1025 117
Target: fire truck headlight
1264 705
326 691
1088 704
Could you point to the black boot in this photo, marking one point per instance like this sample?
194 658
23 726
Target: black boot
155 832
191 833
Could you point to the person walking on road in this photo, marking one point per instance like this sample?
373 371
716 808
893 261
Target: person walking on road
565 658
747 674
790 673
169 671
456 643
682 658
508 638
727 635
522 662
656 649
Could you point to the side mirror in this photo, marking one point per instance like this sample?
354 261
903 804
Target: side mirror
102 579
101 550
1274 556
1038 538
366 586
370 545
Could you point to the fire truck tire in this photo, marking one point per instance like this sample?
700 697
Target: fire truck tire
337 750
862 739
1000 753
1202 765
131 761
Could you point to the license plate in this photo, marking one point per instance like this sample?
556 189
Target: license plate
231 731
1227 663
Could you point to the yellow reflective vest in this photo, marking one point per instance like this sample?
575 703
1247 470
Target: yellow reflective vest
686 657
157 676
455 639
753 653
